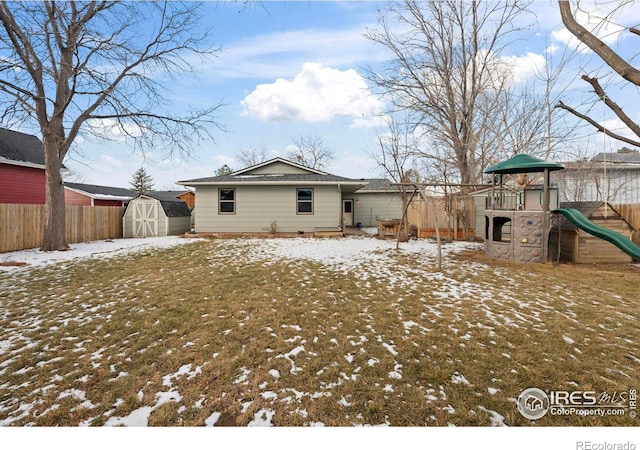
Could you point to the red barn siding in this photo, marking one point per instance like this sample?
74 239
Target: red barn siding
108 203
25 185
76 198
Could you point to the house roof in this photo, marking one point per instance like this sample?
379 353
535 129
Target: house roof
306 176
102 192
278 160
523 164
272 179
20 149
377 185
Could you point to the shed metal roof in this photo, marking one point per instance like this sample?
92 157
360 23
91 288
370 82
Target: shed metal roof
171 208
176 208
378 185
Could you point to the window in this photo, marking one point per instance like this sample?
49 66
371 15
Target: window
227 201
304 201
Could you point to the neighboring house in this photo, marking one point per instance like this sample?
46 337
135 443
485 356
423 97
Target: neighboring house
612 177
93 195
379 199
275 196
189 197
22 168
182 196
150 216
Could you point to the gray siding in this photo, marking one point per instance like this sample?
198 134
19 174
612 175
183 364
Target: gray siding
162 221
373 206
178 225
257 207
127 222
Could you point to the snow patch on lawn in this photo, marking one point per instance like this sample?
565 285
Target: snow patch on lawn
87 250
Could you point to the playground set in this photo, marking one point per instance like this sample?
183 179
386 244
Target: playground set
519 220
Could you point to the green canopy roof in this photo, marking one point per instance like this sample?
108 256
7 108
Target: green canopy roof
523 164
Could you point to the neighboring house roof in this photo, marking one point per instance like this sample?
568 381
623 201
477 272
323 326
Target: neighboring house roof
167 195
102 192
21 149
246 177
377 185
629 157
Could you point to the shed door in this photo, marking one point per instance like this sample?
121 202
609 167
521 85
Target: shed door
145 218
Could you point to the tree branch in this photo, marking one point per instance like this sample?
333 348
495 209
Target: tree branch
611 58
597 125
613 106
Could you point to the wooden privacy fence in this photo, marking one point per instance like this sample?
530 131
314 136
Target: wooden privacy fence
631 213
21 225
452 212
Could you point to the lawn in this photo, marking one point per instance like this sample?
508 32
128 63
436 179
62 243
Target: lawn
311 332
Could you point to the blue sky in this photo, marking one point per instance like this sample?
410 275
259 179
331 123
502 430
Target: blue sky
296 68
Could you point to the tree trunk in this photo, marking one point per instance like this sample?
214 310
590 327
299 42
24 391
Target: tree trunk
54 227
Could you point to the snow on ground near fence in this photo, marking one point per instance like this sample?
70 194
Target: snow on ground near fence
96 249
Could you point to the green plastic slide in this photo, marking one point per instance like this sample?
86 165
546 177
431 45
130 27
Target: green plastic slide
579 220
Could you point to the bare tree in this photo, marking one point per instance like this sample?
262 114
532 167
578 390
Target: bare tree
310 151
252 156
75 68
396 150
524 119
613 60
443 71
395 155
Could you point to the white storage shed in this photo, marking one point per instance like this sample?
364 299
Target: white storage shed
147 216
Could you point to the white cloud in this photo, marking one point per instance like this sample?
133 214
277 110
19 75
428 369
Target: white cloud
316 94
522 67
282 53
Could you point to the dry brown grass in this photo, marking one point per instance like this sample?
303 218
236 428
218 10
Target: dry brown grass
191 331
